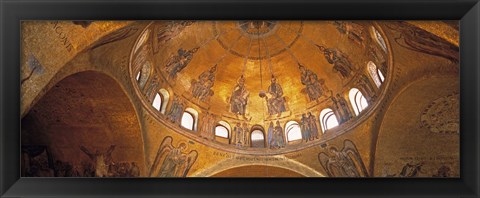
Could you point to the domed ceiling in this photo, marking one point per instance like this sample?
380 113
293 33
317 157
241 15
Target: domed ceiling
210 93
227 67
260 50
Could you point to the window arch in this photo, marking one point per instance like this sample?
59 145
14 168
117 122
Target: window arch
189 119
328 119
258 138
358 101
223 129
165 98
378 37
293 131
144 74
157 102
375 73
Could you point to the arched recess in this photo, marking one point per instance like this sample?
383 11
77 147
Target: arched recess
194 114
257 137
292 131
165 97
405 140
328 119
86 109
145 74
58 56
223 130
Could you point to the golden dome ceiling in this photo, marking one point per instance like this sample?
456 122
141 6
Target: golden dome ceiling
227 67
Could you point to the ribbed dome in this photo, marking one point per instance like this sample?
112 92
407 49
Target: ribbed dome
263 71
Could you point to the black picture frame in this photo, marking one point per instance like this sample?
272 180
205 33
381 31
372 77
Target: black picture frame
12 12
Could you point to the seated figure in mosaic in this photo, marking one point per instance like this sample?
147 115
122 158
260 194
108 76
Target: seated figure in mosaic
276 101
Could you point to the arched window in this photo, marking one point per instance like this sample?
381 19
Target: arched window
328 119
165 98
380 74
359 103
258 139
375 73
138 75
378 37
157 102
293 131
222 129
144 74
189 119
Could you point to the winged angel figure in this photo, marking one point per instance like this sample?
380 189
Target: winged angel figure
344 163
174 162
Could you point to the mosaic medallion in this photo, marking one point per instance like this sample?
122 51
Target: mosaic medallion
443 115
278 36
257 28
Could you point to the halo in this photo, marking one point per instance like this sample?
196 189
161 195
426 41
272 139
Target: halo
184 142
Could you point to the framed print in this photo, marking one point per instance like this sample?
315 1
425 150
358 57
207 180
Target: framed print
157 98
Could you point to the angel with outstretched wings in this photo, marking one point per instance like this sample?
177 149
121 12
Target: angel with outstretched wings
172 161
344 163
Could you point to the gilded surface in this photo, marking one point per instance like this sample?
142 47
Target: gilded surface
392 137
